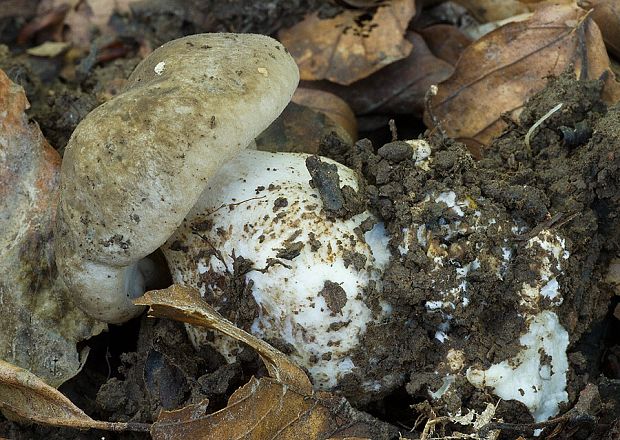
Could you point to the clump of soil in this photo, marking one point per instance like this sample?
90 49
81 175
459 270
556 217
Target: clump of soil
166 372
512 195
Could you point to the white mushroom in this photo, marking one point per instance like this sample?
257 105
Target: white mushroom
308 272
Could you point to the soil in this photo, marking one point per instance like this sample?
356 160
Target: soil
568 186
566 182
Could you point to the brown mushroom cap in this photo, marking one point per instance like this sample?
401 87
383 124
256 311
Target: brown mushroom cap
136 165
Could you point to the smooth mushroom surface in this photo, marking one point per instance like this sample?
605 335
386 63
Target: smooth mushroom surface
259 218
136 165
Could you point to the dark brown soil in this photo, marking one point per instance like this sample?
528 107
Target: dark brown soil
566 186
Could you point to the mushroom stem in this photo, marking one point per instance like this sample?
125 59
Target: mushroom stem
98 281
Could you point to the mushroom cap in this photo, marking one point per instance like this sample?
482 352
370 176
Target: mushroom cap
136 165
308 272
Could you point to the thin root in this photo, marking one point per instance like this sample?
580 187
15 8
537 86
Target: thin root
530 132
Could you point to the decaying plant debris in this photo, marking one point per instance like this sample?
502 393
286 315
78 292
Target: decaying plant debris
500 224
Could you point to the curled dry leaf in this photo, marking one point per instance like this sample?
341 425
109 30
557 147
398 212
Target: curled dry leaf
312 115
264 409
399 87
85 18
40 324
445 41
329 104
18 8
351 45
49 20
184 304
497 73
606 14
282 406
492 10
25 396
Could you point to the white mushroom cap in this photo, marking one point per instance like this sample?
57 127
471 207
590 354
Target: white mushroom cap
136 165
309 271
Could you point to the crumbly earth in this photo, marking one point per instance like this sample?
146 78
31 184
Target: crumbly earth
509 200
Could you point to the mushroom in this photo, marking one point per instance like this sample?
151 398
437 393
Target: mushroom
136 165
307 271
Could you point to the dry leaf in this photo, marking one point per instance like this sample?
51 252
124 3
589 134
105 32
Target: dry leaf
606 14
350 46
48 49
491 10
329 104
307 119
49 20
445 41
40 323
18 8
25 396
85 18
282 406
184 304
497 73
264 409
398 88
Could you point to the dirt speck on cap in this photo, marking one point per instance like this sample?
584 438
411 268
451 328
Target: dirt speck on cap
335 296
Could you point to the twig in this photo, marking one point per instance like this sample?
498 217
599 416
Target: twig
432 91
392 125
553 222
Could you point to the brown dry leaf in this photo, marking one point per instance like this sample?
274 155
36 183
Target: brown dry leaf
40 324
350 46
24 396
497 73
445 41
280 407
49 20
264 409
606 14
398 88
301 128
183 303
329 104
18 8
491 10
85 18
